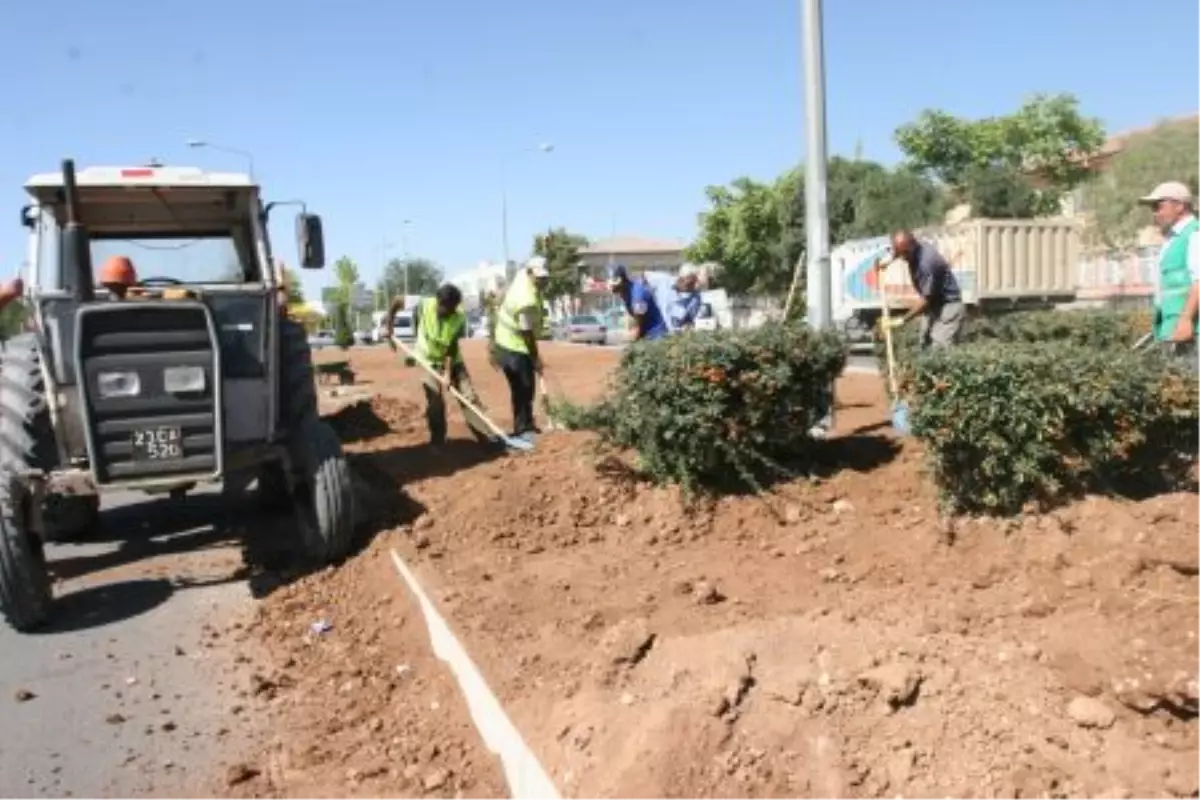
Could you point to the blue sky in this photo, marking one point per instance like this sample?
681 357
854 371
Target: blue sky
375 112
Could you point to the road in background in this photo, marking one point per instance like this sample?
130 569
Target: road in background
127 693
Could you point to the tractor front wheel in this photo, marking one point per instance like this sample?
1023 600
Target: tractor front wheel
324 493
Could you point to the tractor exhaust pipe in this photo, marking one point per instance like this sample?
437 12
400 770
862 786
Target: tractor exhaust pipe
76 257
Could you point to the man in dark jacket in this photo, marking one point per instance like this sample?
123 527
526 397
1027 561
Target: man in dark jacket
940 304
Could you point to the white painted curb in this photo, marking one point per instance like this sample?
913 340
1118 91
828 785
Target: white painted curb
524 773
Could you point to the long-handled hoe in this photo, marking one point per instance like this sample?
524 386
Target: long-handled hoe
497 433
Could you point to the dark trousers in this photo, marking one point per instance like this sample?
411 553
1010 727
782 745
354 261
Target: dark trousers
435 404
518 371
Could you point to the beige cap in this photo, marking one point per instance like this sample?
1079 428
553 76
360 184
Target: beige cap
537 267
1171 190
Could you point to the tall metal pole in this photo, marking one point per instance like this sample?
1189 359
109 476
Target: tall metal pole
404 251
816 209
820 289
504 215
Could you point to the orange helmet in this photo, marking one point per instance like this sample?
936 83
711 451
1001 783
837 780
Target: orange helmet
118 270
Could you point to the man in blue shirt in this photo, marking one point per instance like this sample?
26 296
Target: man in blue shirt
641 304
687 299
939 301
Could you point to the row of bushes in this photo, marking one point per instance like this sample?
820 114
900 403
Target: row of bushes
1086 329
1032 408
1006 424
718 409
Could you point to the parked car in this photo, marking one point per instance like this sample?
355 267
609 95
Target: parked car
706 320
322 338
364 337
586 329
402 329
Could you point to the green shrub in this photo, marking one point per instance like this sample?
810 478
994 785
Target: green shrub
343 335
1090 329
1008 423
721 408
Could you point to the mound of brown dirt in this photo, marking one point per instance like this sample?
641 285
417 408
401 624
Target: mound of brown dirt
829 639
368 418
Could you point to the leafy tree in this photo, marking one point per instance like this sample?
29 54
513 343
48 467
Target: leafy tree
345 272
424 277
866 199
743 232
757 231
1001 192
561 251
1046 138
1168 152
343 335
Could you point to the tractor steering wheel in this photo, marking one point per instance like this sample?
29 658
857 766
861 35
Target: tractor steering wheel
160 280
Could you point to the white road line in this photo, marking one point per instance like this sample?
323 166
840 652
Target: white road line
522 770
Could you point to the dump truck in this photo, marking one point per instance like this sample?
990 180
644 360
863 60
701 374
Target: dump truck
1000 265
191 376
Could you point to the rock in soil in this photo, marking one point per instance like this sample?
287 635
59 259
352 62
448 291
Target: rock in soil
1088 712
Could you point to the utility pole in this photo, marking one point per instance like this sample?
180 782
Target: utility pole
820 289
816 209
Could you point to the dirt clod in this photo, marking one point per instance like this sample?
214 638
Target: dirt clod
1088 712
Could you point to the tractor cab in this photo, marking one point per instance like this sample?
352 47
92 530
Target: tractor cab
168 332
158 359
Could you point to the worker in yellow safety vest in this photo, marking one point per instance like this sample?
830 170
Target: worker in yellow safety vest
518 320
439 325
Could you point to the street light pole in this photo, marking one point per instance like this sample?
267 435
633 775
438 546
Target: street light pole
246 154
820 297
404 251
545 147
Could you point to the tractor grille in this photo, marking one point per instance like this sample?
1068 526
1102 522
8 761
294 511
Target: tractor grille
141 425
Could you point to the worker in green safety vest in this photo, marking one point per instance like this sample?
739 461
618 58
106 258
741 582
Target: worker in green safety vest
518 320
440 325
1178 292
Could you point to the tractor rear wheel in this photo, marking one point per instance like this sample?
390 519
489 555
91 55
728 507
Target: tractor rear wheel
26 445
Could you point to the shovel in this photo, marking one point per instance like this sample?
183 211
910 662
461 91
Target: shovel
481 419
899 406
544 396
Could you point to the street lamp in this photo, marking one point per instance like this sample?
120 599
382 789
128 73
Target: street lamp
404 250
544 148
200 143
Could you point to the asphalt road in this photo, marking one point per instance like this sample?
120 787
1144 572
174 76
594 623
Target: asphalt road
131 693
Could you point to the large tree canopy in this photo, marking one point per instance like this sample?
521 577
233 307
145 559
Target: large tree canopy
1167 152
756 231
1032 156
424 277
561 249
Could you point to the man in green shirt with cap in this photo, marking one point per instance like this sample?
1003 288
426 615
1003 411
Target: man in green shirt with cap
1177 297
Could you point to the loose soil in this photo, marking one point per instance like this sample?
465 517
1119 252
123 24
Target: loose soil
832 638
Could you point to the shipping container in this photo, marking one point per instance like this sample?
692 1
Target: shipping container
996 262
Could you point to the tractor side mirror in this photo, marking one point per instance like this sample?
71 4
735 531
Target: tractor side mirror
310 241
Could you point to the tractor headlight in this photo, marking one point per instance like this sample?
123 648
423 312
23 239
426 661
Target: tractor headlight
180 380
118 384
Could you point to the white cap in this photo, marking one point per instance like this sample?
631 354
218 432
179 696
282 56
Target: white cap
537 267
689 271
1171 190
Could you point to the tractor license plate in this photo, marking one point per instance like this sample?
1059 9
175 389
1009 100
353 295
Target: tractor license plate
158 444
